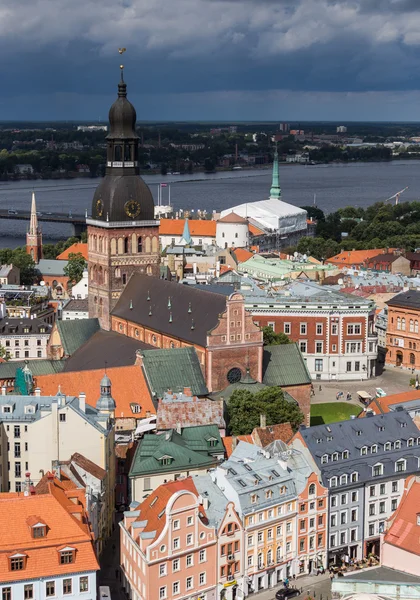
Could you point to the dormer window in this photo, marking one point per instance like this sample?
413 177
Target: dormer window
212 442
335 456
345 454
67 555
363 450
324 459
39 531
378 470
400 465
410 442
343 479
17 562
333 482
254 498
136 408
165 460
387 446
268 494
358 432
354 477
397 445
418 518
374 449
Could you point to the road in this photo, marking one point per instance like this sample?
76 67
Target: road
318 587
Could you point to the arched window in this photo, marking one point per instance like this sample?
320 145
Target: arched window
312 489
155 244
127 152
269 557
100 243
118 153
100 307
411 325
278 554
412 359
416 326
113 246
260 560
125 245
147 245
120 245
100 276
403 324
133 243
139 244
105 276
149 270
117 273
398 323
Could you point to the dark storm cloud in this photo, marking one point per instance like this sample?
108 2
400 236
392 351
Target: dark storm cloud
68 48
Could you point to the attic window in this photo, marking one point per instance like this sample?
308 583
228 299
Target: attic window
165 460
275 473
242 482
232 471
136 408
67 556
248 467
39 531
17 562
212 442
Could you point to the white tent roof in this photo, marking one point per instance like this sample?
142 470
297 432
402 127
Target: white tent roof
272 214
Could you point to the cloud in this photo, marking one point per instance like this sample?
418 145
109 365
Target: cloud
188 47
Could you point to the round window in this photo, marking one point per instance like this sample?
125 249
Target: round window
234 375
136 332
163 548
172 345
202 535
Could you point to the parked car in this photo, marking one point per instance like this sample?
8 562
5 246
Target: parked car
286 593
12 212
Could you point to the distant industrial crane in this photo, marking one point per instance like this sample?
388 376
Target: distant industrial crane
397 196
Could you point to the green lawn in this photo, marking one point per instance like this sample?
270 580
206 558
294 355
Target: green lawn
329 412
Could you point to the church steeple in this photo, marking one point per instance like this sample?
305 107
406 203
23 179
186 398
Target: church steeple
275 191
34 235
186 235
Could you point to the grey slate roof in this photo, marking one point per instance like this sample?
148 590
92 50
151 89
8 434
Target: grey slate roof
194 311
74 334
217 501
44 403
410 299
173 369
52 267
80 304
37 367
284 365
354 434
11 326
383 575
108 347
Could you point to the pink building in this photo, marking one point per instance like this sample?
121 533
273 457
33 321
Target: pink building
168 549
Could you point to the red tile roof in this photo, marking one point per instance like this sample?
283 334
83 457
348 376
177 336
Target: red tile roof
155 504
63 529
255 230
353 257
271 433
228 442
175 227
74 249
241 254
128 386
232 218
405 531
199 411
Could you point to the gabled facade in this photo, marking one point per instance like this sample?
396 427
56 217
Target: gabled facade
168 548
312 526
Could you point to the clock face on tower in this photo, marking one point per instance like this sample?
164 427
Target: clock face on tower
132 208
99 207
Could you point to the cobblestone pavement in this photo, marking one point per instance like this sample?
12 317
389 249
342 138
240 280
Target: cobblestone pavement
393 381
317 587
109 562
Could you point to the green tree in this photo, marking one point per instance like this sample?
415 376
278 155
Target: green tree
244 410
3 353
316 213
25 263
271 338
75 267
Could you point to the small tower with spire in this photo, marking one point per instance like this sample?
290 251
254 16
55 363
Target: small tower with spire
34 235
186 239
275 191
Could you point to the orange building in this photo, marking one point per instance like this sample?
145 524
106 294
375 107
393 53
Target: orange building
402 334
77 248
46 546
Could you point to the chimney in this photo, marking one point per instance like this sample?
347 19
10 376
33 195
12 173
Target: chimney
139 359
38 392
195 268
263 420
178 428
27 485
218 269
187 391
3 390
82 401
234 442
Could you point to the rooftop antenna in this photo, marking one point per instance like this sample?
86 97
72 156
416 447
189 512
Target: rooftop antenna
105 364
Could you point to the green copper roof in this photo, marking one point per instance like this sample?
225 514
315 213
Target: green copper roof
37 367
247 383
284 365
75 333
173 369
194 447
186 235
275 191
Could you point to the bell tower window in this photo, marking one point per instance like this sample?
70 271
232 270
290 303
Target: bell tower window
117 153
125 245
139 245
127 153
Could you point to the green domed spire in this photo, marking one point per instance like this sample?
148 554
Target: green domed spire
275 191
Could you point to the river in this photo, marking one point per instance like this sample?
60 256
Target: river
356 184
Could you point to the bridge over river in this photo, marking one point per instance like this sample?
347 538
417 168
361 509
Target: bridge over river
78 222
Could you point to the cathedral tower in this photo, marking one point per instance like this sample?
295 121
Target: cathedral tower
34 235
123 235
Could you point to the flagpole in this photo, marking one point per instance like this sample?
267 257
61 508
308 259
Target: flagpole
169 201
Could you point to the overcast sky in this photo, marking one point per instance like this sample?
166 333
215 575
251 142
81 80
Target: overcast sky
212 59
